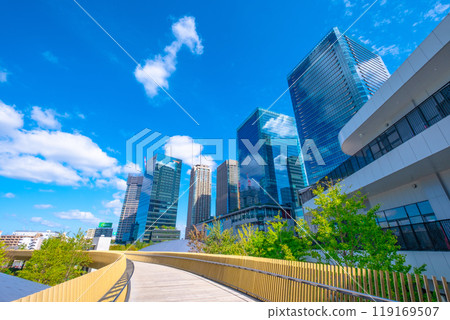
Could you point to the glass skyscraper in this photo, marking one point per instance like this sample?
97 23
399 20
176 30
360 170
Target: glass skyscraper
158 203
129 209
270 162
327 88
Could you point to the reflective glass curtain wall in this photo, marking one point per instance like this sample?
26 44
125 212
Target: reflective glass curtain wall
327 88
158 203
280 174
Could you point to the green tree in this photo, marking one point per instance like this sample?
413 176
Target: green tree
3 259
351 237
221 241
279 242
58 260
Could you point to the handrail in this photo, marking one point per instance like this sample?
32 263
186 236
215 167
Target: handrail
87 288
311 283
284 281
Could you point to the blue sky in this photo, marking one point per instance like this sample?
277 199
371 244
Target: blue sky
70 97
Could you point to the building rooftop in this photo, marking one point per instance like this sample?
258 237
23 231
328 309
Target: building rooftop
169 246
13 288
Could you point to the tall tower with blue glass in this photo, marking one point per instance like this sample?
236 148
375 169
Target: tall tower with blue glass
158 203
270 162
327 88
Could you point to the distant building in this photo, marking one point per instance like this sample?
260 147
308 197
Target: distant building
255 216
102 236
327 88
227 191
199 206
30 240
90 233
159 235
129 209
158 202
270 162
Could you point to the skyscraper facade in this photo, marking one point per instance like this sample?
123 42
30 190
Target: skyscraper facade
129 209
158 203
327 88
227 191
199 206
270 162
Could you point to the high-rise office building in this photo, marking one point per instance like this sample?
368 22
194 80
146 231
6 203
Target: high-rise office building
227 192
327 88
158 203
129 209
270 162
199 206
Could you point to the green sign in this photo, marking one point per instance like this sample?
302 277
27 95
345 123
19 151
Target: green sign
105 225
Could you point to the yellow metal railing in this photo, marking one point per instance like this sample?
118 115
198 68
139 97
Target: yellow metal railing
262 278
90 287
290 281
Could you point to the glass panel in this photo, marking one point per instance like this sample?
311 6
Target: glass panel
400 241
422 236
443 98
367 154
412 210
404 130
355 164
438 237
384 144
429 217
425 207
416 219
410 238
360 158
375 148
393 137
396 213
393 223
417 122
430 111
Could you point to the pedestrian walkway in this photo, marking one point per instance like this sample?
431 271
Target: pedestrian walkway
156 283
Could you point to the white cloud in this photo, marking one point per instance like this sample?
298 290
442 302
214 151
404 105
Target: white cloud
282 126
76 214
25 167
437 12
45 118
44 222
62 158
381 22
50 57
382 51
157 71
10 119
185 149
364 41
9 195
115 205
3 76
43 206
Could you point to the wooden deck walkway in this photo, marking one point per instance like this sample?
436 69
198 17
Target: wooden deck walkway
156 283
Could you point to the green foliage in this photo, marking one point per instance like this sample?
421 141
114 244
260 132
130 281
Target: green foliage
221 241
58 260
351 237
138 245
279 242
3 259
